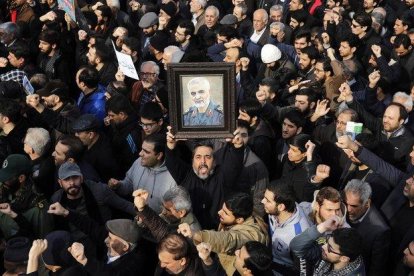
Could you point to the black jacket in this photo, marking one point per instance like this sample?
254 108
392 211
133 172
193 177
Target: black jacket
400 142
98 199
126 140
131 263
396 201
297 178
207 195
376 242
101 157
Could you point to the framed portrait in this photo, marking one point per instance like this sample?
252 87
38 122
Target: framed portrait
202 99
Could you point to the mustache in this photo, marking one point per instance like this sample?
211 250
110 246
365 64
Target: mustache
202 166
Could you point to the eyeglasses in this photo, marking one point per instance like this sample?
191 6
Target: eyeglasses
330 249
150 125
147 74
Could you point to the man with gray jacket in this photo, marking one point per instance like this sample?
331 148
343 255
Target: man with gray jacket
148 172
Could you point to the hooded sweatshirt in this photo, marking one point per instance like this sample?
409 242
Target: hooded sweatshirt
156 181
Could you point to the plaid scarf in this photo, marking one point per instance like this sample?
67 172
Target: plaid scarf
326 269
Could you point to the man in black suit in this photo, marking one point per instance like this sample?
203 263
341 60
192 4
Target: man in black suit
369 223
399 205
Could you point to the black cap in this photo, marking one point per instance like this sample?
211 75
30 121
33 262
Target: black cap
54 87
86 122
159 41
57 253
17 250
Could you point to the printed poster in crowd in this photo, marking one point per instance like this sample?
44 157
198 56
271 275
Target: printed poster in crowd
69 7
126 64
27 86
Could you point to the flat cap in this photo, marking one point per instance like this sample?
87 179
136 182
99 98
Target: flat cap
228 19
126 229
85 122
69 169
147 20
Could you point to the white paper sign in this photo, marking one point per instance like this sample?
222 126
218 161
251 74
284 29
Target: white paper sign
126 64
27 86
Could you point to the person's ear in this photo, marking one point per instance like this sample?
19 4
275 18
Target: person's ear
353 49
60 182
312 105
281 207
182 213
368 204
254 120
299 130
22 178
123 115
344 259
239 220
301 24
183 261
160 156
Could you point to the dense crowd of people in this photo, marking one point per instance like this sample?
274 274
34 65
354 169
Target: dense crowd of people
94 181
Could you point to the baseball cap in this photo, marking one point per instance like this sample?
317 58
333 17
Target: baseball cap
69 169
15 165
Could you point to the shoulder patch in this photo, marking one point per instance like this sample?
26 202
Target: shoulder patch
219 108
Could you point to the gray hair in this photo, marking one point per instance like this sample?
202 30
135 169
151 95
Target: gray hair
278 24
202 3
243 7
378 18
179 197
113 4
408 104
202 81
214 9
277 8
175 52
38 139
265 15
353 113
153 64
360 188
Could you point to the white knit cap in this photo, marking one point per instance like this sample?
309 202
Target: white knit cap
270 53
